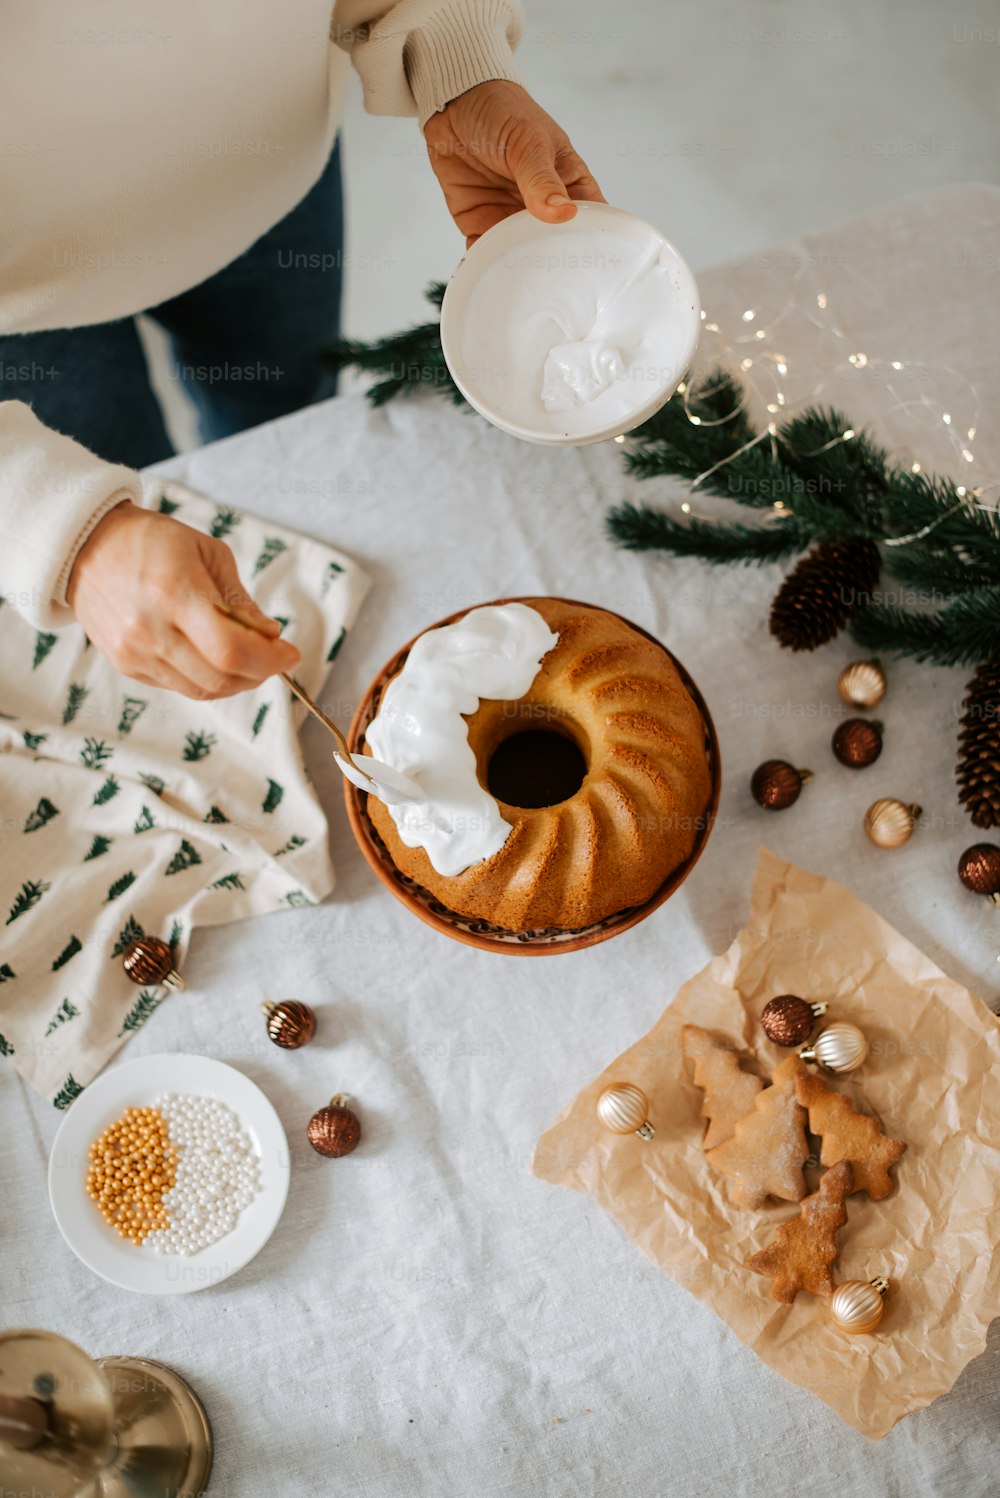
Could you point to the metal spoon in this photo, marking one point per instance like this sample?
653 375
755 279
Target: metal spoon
371 775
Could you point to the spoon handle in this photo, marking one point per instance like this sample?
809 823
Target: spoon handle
296 686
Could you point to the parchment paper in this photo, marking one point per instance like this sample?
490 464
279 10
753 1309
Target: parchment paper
932 1078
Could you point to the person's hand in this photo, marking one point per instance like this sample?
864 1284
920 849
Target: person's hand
143 588
495 151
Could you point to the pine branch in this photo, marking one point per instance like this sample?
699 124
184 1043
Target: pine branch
639 528
940 571
963 633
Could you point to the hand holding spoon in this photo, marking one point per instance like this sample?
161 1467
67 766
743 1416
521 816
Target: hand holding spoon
368 774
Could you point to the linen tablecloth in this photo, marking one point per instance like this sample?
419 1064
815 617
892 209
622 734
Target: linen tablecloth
428 1318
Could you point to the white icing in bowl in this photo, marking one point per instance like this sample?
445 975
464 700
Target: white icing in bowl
420 729
570 333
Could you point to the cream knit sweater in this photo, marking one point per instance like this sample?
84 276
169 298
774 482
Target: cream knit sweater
142 148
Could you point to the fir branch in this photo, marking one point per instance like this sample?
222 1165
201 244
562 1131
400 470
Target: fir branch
33 741
214 815
228 881
154 783
6 972
963 633
940 571
639 528
176 932
6 1049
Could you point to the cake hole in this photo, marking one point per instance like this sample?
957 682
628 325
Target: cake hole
537 767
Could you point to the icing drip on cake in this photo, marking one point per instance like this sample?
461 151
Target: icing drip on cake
495 653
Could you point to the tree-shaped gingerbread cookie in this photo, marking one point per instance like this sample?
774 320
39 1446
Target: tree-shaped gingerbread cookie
729 1091
768 1149
848 1135
801 1254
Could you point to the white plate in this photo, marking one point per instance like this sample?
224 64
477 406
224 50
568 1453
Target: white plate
137 1084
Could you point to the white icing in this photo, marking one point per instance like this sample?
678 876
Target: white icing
574 331
420 729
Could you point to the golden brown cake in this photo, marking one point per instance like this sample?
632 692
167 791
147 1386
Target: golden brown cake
608 738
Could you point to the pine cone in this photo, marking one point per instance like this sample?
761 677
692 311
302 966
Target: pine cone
827 589
979 747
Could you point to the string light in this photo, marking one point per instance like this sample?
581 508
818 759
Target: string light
761 388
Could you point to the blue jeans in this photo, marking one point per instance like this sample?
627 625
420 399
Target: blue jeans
246 344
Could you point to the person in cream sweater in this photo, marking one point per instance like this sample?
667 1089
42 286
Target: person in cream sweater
179 160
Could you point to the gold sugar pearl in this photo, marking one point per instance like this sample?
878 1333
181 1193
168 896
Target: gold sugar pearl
131 1165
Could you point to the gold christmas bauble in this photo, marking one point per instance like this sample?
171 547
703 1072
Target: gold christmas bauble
624 1109
840 1048
862 683
890 823
858 1306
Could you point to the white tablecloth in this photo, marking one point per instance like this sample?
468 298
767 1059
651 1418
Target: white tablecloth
428 1318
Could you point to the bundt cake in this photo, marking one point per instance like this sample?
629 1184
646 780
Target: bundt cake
562 758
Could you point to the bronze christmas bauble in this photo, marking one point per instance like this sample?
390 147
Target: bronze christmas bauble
857 743
789 1020
862 684
334 1130
979 870
776 784
151 960
890 823
290 1023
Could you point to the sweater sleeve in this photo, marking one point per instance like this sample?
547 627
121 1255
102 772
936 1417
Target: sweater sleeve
415 56
53 492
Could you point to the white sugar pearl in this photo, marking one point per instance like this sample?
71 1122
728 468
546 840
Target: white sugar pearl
217 1173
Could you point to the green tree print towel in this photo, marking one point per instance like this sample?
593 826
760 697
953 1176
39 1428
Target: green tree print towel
134 811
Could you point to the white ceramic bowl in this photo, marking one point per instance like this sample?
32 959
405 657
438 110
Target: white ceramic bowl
137 1084
517 236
